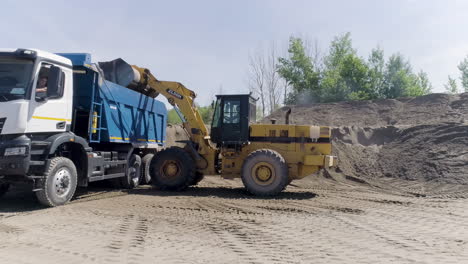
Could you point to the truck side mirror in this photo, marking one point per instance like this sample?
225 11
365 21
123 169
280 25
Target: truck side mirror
55 83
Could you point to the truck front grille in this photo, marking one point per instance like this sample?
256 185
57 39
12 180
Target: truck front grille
2 122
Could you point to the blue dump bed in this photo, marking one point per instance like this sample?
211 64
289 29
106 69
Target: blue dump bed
114 113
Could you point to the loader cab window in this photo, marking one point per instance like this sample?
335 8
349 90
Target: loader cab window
231 113
230 120
217 112
252 111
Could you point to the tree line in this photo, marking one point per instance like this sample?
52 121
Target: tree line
305 75
452 86
206 113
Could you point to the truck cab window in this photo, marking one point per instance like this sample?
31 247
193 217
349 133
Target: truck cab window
42 83
42 79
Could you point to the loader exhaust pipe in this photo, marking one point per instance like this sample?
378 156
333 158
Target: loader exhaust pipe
286 117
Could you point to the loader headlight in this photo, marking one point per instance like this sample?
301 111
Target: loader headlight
17 151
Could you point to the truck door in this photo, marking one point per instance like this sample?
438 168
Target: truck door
51 99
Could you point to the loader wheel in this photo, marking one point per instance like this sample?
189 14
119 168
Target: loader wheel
172 169
132 175
60 185
198 178
265 173
145 176
4 188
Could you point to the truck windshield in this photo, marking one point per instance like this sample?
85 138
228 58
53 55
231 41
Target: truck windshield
15 76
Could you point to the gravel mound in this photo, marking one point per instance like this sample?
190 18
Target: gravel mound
418 139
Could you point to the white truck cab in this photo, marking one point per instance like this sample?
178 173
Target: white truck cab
58 140
25 106
35 99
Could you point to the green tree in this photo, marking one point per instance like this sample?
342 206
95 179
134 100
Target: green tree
206 113
340 48
299 72
347 81
345 75
397 77
423 85
463 67
376 64
451 86
173 117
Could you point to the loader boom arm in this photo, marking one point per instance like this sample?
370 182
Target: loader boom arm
182 98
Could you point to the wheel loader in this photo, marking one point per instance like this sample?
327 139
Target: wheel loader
266 156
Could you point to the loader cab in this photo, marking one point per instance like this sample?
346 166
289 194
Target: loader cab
231 118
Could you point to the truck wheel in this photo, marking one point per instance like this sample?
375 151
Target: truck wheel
60 184
4 188
132 178
145 175
265 173
172 169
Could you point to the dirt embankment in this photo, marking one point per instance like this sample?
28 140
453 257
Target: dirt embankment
421 139
175 134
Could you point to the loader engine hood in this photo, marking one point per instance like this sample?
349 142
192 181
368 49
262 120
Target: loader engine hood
290 132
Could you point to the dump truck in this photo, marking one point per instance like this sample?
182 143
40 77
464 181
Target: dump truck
267 157
64 123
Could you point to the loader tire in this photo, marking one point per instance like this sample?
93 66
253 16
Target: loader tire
172 169
265 173
145 175
198 178
132 174
60 184
4 187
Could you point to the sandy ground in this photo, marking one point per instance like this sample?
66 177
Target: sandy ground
313 221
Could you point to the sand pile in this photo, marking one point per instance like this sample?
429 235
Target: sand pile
423 139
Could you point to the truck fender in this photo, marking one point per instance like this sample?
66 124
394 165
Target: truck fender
59 139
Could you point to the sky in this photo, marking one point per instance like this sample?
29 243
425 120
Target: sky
205 44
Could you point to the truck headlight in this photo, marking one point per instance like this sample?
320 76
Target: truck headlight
15 151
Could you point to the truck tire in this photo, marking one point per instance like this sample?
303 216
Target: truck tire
4 187
132 175
265 173
60 185
172 169
145 168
